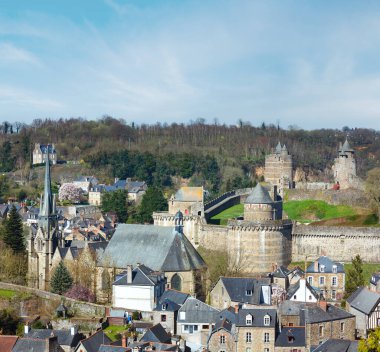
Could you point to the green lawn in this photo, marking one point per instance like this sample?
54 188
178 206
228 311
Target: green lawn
368 270
7 293
233 212
114 331
315 210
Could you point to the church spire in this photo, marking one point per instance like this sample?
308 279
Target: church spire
47 205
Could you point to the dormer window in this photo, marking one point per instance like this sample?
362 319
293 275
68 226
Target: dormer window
334 269
248 292
322 269
164 306
248 319
267 320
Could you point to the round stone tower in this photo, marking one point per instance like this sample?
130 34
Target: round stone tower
259 205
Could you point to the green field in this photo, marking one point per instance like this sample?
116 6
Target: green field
315 210
230 213
7 293
114 331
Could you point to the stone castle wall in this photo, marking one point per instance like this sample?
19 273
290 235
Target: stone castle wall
340 243
277 168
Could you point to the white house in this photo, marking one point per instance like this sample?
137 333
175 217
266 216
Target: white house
302 292
138 289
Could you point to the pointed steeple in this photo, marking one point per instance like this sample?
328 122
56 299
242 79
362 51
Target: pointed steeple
47 201
278 148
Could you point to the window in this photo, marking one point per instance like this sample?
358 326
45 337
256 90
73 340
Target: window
195 327
163 317
248 293
182 315
310 280
248 349
248 337
267 320
176 282
322 268
164 306
334 269
333 294
248 319
342 327
321 330
266 336
266 349
205 327
295 297
334 281
321 280
190 328
222 339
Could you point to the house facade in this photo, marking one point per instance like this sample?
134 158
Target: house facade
328 276
41 151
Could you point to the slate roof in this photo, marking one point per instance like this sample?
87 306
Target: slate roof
295 287
197 312
110 348
328 263
223 324
346 147
175 296
315 314
281 272
335 345
291 337
259 195
156 334
237 287
29 345
257 317
158 247
278 148
156 346
92 343
364 300
189 194
64 336
141 276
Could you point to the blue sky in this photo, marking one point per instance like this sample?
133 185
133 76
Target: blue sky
313 64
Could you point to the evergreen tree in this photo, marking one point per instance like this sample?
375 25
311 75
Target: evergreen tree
61 281
116 201
355 277
153 200
13 231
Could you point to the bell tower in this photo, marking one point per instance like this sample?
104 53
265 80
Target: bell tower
43 241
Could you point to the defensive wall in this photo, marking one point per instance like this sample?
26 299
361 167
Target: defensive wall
338 242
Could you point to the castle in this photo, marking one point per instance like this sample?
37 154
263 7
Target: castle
41 151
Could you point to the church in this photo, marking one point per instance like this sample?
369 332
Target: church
43 241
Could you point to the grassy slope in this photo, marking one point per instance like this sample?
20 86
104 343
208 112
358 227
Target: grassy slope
233 212
7 293
113 331
315 210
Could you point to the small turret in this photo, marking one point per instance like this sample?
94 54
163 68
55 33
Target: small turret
178 221
278 148
259 205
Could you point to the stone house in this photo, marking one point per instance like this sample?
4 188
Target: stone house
327 276
302 291
291 339
189 200
41 151
166 311
160 248
230 291
195 322
365 305
93 342
256 330
321 320
334 345
86 183
223 336
138 289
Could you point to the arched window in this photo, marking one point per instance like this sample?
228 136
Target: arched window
176 282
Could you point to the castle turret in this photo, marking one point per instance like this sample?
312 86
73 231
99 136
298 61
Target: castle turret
259 205
344 167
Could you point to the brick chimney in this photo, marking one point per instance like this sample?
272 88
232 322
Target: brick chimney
124 340
323 305
236 309
316 266
129 274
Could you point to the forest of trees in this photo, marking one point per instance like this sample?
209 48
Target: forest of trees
211 154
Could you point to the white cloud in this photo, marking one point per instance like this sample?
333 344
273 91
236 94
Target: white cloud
9 53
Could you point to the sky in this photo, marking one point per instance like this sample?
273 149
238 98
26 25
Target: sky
307 64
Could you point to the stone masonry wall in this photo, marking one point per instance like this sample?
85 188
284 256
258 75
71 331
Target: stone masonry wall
339 243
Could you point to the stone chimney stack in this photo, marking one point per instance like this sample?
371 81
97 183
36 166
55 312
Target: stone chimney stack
129 274
323 305
124 340
26 329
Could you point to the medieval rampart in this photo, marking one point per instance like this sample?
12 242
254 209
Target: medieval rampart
340 243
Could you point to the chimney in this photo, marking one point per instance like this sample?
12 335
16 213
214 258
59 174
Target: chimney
73 330
316 266
323 305
236 309
129 274
124 340
26 329
182 344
